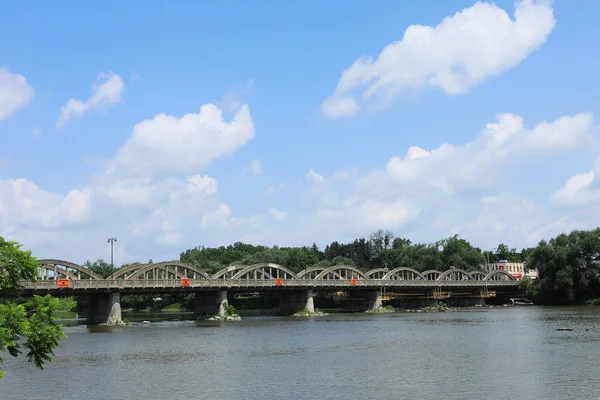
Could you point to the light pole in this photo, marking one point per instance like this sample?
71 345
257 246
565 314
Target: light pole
111 240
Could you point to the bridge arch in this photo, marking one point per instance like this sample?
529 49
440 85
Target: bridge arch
341 272
310 273
478 275
498 275
123 272
179 270
404 274
431 274
265 271
228 272
455 274
49 264
377 273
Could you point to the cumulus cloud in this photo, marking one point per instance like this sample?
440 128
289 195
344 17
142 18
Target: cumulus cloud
15 93
451 168
166 144
431 193
314 177
581 189
460 52
278 215
106 91
163 201
24 203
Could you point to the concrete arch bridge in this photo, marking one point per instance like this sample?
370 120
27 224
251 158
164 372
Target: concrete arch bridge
296 289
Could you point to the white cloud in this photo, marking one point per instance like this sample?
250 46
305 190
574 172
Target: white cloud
15 93
314 177
511 217
150 192
581 189
106 91
430 194
255 167
278 215
24 203
452 168
463 50
367 214
168 145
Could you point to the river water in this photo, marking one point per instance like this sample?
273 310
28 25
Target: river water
511 353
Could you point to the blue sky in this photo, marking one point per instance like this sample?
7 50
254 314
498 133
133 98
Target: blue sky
306 132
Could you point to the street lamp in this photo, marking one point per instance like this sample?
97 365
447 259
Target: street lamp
111 240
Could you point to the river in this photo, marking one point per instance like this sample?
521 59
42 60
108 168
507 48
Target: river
508 353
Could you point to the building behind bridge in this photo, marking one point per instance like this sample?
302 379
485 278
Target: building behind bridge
516 269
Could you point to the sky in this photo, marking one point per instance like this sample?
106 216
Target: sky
170 125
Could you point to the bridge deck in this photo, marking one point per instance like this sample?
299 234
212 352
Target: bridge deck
84 285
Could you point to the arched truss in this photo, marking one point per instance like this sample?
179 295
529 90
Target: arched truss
55 266
169 270
124 273
265 271
341 272
229 272
431 274
478 275
455 274
310 273
404 274
498 275
377 273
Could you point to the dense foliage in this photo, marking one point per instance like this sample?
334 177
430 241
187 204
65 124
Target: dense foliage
29 325
381 249
568 268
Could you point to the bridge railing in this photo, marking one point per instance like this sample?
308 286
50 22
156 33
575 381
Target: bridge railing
121 284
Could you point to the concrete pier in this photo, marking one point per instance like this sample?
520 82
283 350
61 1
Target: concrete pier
360 301
296 300
104 308
212 302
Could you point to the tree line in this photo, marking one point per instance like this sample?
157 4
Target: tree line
568 264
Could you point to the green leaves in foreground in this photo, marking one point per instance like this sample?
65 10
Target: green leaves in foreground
30 327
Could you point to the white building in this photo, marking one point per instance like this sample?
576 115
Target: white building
516 269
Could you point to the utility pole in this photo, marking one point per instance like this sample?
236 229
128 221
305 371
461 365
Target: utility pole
111 240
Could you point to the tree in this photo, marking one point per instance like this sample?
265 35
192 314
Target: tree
30 325
381 240
100 267
568 267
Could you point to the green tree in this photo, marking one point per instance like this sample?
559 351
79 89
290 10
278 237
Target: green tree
100 267
31 325
568 267
460 254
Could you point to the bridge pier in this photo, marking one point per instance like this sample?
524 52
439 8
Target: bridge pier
296 300
104 308
369 300
210 303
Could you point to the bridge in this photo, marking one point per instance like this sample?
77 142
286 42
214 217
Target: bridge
296 290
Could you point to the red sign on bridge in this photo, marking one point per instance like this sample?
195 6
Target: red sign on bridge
186 282
63 283
279 281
